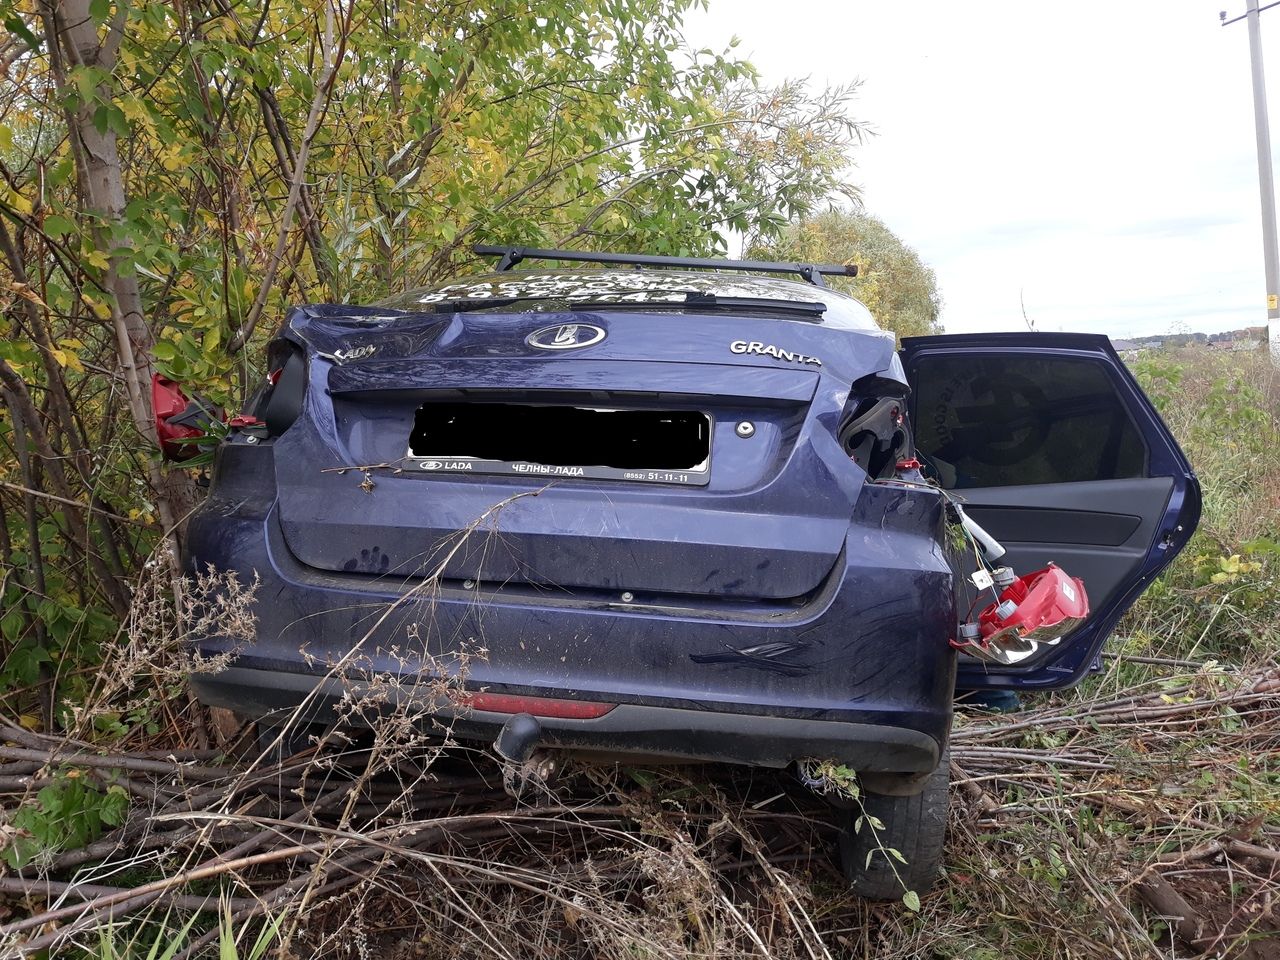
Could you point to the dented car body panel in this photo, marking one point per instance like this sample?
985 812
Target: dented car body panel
789 594
818 659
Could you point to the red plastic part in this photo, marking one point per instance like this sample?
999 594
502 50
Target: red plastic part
168 400
1043 599
244 420
536 706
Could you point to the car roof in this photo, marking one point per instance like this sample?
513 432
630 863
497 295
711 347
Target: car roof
550 290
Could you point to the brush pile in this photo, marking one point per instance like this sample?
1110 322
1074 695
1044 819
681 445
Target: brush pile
1139 824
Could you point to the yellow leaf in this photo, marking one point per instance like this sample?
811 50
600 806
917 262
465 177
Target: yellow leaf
18 202
29 721
133 109
100 310
24 291
97 259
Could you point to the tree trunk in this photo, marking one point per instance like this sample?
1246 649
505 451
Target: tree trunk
74 42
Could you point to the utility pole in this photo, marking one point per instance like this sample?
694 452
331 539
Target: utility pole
1266 185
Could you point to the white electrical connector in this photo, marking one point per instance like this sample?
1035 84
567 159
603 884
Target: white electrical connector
981 579
991 548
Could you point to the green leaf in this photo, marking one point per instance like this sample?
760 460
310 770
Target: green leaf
115 806
100 10
58 226
62 171
24 663
86 83
911 900
17 26
116 121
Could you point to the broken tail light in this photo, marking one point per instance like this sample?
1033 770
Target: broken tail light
875 435
180 421
1034 611
278 400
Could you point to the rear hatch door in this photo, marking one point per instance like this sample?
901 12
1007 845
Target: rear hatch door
457 447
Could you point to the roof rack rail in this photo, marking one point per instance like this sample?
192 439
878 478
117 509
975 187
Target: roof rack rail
812 272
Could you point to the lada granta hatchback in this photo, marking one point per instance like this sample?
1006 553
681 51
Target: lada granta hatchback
687 513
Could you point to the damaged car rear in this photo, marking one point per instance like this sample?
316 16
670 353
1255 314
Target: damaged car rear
679 513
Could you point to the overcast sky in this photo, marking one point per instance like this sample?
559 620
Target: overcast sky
1096 157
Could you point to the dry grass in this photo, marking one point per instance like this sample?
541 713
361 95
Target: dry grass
387 847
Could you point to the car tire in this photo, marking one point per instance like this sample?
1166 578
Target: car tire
915 826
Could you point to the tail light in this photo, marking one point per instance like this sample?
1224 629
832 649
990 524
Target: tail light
180 421
278 400
1033 611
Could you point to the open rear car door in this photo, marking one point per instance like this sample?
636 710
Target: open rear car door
1051 446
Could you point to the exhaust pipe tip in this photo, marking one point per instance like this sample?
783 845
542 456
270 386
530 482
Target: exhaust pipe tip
518 738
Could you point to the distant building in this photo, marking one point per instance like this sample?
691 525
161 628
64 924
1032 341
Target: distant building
1125 346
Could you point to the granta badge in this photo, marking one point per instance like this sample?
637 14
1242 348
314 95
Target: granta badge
567 336
769 350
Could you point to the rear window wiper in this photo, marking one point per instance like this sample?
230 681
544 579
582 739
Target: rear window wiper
693 300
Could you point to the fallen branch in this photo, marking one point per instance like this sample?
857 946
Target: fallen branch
1157 893
86 891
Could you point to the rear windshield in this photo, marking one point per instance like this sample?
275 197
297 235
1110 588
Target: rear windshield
526 291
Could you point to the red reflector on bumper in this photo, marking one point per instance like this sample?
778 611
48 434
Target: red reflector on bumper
536 706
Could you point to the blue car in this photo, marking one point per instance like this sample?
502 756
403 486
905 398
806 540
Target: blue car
686 510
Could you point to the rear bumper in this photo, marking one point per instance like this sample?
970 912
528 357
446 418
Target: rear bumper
660 733
858 671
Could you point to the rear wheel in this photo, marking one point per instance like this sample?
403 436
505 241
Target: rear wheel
914 826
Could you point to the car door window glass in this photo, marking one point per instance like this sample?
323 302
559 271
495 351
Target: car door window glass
1001 420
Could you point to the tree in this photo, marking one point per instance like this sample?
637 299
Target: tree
173 175
898 288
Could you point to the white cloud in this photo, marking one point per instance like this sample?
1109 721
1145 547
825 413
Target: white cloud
1095 158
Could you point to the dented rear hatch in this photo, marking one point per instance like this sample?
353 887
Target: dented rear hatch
599 448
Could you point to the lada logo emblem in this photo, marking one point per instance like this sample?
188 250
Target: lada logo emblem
567 336
355 353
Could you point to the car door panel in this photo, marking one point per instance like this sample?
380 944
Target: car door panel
1052 447
1101 547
